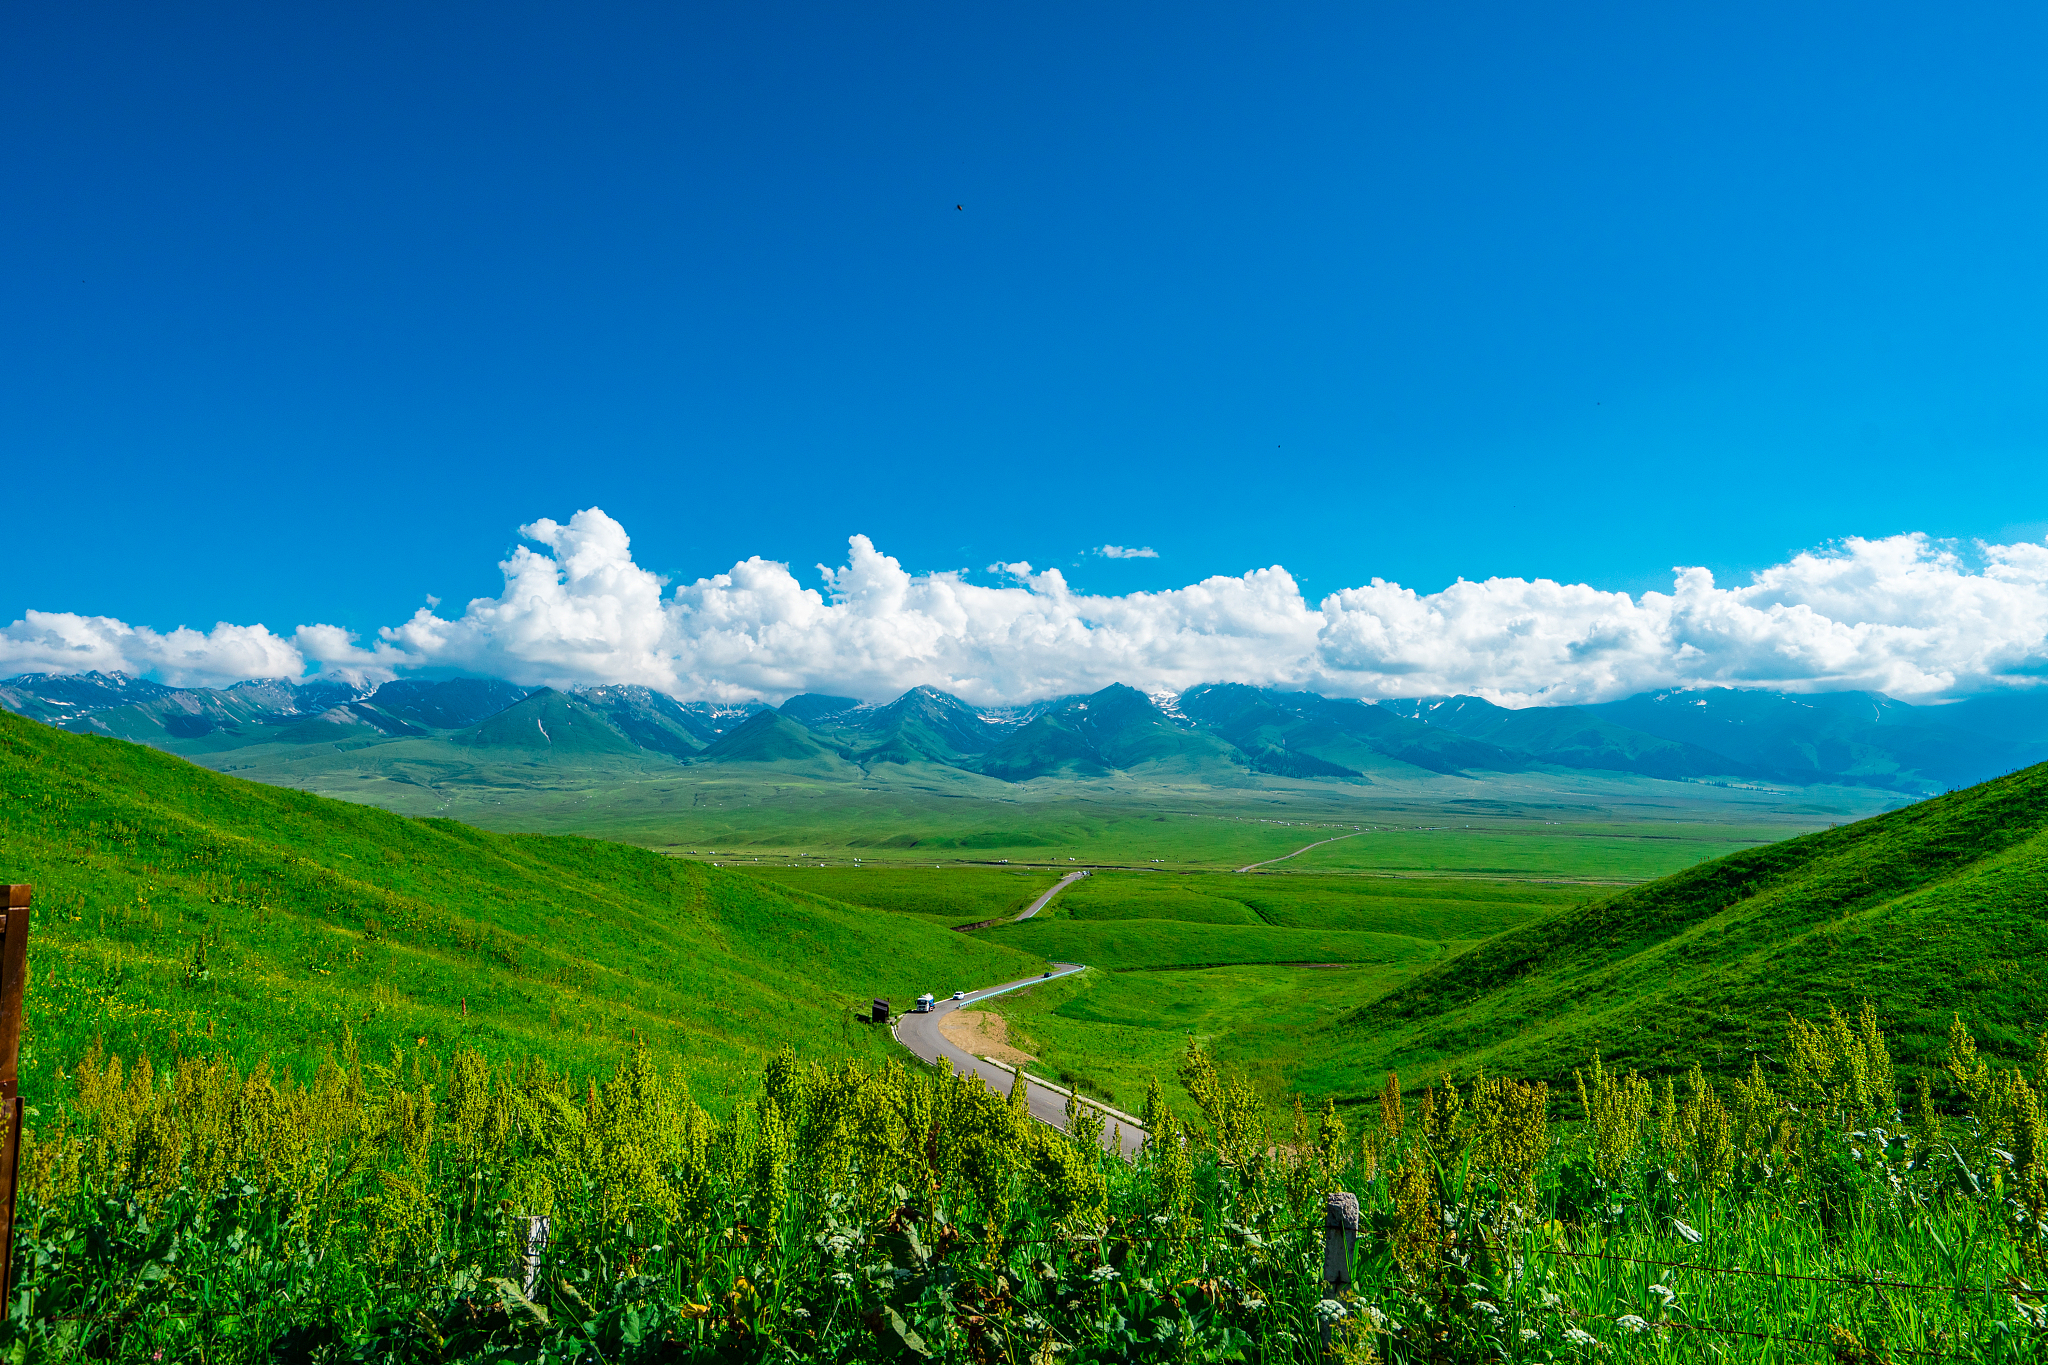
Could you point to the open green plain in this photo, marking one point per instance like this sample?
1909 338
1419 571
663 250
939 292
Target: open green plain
1611 828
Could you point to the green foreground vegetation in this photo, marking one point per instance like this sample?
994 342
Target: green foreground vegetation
393 1212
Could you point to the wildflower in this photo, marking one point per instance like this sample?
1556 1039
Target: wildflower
843 1280
1665 1294
1379 1319
799 1312
1103 1274
1330 1311
1579 1336
1551 1301
1253 1302
1487 1308
1530 1334
1629 1322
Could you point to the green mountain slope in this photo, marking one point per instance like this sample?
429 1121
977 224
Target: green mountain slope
1292 732
549 723
1572 737
1935 909
768 737
57 697
1118 728
452 704
179 909
650 719
340 724
1843 736
811 708
206 720
925 725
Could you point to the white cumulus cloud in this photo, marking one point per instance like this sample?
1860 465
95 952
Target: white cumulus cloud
1905 615
64 642
1125 552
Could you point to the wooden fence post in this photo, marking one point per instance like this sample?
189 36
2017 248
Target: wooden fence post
13 974
536 1246
1340 1234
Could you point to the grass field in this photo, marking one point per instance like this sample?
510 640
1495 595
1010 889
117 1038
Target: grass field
1139 945
954 895
1601 854
1250 963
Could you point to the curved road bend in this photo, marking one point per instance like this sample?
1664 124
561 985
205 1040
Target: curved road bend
920 1033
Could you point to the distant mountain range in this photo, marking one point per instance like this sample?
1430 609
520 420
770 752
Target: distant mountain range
1220 730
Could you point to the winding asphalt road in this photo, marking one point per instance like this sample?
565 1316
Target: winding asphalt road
920 1033
1057 887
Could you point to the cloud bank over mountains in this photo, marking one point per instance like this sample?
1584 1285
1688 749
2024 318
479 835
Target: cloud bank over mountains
1904 615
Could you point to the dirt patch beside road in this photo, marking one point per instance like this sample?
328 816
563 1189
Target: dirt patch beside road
984 1035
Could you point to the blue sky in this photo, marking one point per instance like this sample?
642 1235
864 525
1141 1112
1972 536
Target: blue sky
308 308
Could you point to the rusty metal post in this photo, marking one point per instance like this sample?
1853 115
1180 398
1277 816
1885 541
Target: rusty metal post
13 975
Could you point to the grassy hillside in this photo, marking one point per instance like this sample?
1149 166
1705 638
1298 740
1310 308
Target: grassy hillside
1934 910
178 910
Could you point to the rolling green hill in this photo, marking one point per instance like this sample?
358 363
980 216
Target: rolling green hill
179 910
1934 910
